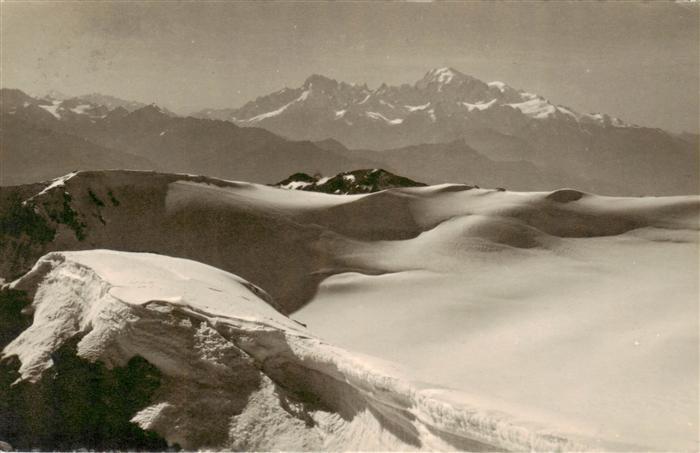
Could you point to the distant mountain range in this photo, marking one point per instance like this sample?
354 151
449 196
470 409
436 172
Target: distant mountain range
112 102
447 127
442 106
499 122
44 138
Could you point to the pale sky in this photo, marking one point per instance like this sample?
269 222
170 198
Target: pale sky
638 61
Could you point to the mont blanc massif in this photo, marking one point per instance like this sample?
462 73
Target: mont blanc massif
445 265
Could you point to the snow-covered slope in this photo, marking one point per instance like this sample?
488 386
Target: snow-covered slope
566 302
563 307
44 139
236 373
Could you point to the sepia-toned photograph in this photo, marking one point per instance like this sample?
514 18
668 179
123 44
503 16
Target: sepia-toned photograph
350 226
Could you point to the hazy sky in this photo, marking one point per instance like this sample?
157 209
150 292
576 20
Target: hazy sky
638 61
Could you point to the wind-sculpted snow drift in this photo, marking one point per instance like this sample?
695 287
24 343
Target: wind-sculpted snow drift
237 374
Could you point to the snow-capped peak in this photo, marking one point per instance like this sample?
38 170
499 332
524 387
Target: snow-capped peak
442 76
443 95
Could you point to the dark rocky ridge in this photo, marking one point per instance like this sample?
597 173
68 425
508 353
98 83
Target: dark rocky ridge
348 183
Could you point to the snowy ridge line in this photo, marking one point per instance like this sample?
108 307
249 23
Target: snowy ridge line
71 298
343 98
193 177
276 112
56 182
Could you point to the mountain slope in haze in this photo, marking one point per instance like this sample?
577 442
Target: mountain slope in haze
110 102
348 183
103 101
498 121
32 153
39 140
510 283
222 149
158 141
458 162
516 149
215 148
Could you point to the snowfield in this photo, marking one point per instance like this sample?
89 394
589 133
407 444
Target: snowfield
240 375
518 321
590 316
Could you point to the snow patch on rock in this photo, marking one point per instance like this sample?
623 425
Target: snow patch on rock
52 109
415 108
535 108
479 105
379 116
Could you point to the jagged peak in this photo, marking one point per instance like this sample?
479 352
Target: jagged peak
319 81
444 75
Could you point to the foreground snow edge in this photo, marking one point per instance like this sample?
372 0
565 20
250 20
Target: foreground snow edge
213 354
